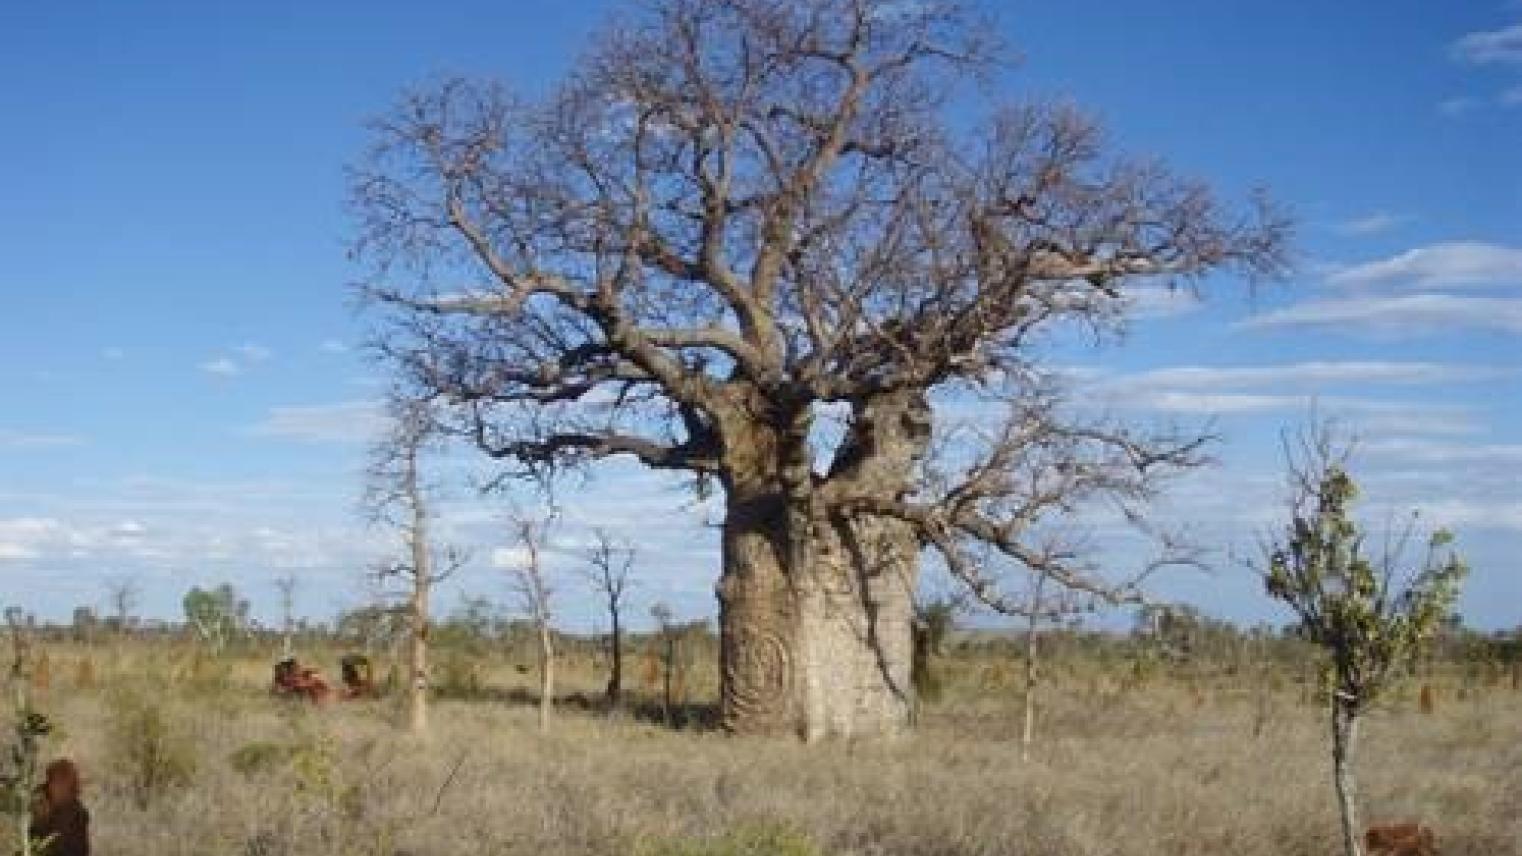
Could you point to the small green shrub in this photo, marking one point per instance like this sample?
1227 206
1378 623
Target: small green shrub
146 748
458 677
261 756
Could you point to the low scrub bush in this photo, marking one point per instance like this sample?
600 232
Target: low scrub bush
147 748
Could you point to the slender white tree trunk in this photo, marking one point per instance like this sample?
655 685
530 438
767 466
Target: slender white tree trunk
1344 735
422 582
536 595
417 718
546 671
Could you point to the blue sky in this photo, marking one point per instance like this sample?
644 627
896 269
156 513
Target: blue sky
183 402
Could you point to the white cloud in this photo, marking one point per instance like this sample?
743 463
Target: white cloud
253 353
23 538
1402 314
509 558
1445 265
129 529
10 552
1460 513
1492 46
1161 301
1363 415
1316 372
1408 450
333 346
1459 105
221 367
1300 387
113 354
1372 224
344 422
15 440
1511 97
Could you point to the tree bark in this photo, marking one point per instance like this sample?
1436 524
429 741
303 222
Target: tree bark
422 581
815 610
546 674
1344 733
418 659
616 668
1028 728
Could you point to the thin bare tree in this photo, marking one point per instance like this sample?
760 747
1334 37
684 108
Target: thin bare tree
1042 607
286 587
735 215
609 568
396 493
122 593
532 588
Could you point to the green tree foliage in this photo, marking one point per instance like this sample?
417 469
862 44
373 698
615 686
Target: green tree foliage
1368 613
217 615
1359 610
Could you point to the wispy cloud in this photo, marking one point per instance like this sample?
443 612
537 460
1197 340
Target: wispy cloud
1426 451
1490 46
1452 264
333 346
21 538
1299 387
1372 224
1400 314
1316 373
1161 301
17 440
343 422
15 552
1463 513
253 353
13 440
238 359
221 367
1487 47
1459 105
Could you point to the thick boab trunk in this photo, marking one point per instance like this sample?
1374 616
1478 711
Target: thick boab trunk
822 652
816 631
758 620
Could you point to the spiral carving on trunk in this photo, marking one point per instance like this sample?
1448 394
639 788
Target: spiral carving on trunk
758 672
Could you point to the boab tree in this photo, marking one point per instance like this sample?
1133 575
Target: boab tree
736 214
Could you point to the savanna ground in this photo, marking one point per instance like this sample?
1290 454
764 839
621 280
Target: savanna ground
186 753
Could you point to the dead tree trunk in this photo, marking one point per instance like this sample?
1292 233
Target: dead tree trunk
609 566
1028 728
422 584
534 592
397 494
287 587
546 675
615 689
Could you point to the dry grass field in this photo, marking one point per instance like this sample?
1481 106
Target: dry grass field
187 754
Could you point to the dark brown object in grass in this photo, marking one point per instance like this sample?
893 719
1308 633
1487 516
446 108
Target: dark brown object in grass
1400 839
59 818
